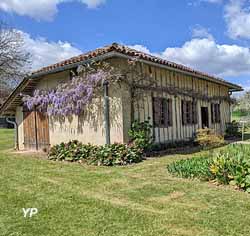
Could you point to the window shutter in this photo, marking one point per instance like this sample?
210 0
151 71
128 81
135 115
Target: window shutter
165 111
219 115
157 111
212 113
190 111
170 112
195 115
184 112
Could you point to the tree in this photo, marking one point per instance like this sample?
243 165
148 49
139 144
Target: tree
13 58
244 102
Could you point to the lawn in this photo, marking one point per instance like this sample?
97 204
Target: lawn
237 115
143 199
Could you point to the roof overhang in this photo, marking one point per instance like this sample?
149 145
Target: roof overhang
28 84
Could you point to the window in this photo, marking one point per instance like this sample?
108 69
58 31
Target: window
189 112
215 113
162 112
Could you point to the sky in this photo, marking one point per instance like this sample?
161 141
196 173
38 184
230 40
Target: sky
209 35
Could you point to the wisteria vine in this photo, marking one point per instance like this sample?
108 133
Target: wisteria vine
69 98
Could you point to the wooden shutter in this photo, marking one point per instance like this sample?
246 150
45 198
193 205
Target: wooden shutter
170 112
190 112
195 115
212 113
157 111
219 115
184 113
165 112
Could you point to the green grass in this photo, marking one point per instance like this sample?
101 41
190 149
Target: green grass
237 115
142 199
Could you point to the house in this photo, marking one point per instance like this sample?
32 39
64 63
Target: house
181 101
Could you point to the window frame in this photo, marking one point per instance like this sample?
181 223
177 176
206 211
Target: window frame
162 112
189 112
215 113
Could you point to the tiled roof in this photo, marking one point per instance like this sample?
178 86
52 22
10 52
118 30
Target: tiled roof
132 53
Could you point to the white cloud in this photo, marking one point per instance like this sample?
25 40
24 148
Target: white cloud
140 48
41 9
237 16
206 55
44 53
201 32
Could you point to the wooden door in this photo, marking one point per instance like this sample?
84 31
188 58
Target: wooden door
29 130
36 130
42 122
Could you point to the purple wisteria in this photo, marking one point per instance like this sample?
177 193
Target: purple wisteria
68 98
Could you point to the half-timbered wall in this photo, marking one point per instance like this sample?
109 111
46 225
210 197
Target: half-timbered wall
143 108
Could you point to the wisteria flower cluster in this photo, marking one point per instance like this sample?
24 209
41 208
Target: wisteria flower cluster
69 98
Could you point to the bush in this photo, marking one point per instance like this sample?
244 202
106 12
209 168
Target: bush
192 168
115 154
233 167
140 134
229 166
107 155
233 129
207 138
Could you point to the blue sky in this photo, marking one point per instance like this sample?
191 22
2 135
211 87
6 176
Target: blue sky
209 35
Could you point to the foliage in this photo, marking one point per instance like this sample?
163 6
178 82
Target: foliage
192 168
140 134
207 138
233 129
228 166
243 103
71 151
233 166
70 97
107 155
115 154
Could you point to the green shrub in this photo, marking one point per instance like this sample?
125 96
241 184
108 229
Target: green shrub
231 166
115 154
207 138
107 155
192 168
140 134
233 129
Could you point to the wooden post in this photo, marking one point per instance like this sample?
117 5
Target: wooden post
243 130
36 136
106 111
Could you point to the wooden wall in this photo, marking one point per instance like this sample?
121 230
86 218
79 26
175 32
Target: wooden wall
167 78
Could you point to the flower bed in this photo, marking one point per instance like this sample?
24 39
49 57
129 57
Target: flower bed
107 155
228 166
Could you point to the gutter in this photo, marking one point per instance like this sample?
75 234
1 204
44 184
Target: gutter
16 132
